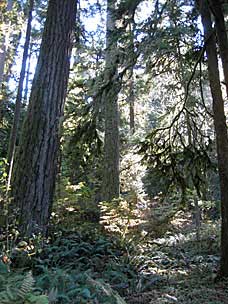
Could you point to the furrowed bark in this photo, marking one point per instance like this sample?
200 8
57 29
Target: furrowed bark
34 174
220 128
110 98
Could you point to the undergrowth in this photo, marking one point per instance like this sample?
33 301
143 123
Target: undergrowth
82 263
88 267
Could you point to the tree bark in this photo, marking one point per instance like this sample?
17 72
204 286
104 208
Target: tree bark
131 96
26 90
14 130
4 44
34 173
216 8
220 128
110 98
132 105
115 26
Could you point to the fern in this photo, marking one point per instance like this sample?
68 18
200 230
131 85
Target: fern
12 294
9 290
106 288
27 286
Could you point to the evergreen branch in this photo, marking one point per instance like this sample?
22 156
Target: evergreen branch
187 91
201 93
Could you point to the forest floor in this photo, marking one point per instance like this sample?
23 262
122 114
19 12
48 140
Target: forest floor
86 265
183 267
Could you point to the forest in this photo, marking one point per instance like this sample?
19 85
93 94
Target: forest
113 151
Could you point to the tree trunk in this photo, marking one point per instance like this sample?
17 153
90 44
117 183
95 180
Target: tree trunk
26 90
14 130
115 26
4 44
216 8
110 98
220 129
132 105
35 167
131 96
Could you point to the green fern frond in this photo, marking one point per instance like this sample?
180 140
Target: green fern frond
52 296
27 286
106 288
8 296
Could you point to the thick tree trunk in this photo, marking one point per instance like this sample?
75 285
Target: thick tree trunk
35 168
110 99
117 13
216 8
14 130
220 128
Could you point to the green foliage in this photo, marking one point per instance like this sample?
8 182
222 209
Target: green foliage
129 250
91 267
155 182
73 268
120 215
75 205
210 209
3 176
78 268
73 287
19 288
82 138
82 149
181 166
3 183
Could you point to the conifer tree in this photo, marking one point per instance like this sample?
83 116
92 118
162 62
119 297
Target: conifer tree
118 17
110 99
220 127
4 42
34 174
14 130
